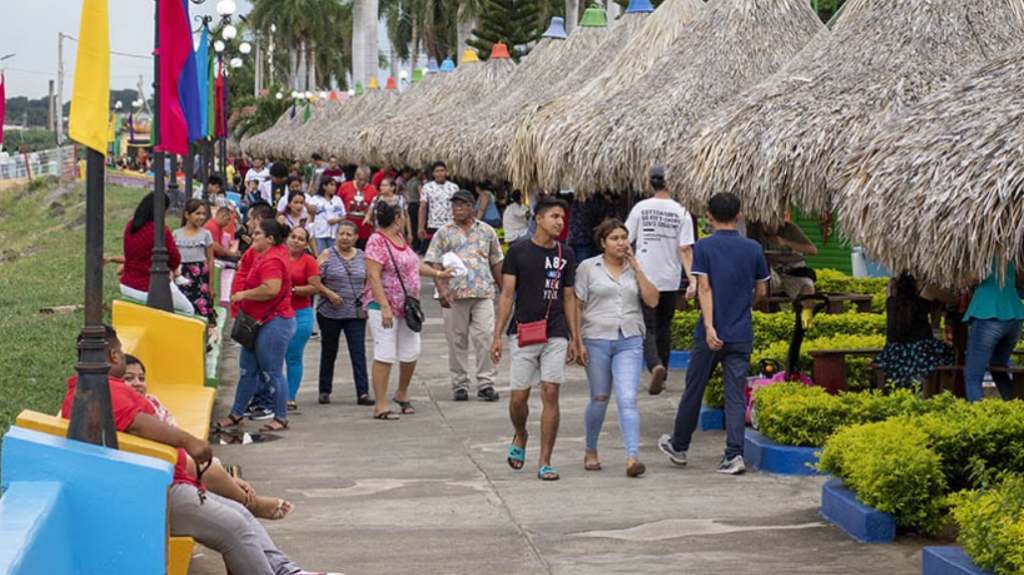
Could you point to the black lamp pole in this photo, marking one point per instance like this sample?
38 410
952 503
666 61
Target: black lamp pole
159 274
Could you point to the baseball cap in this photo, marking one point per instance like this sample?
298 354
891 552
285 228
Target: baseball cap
658 171
464 196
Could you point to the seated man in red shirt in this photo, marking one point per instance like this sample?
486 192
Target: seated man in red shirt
219 523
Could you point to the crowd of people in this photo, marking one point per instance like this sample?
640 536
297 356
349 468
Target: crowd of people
313 253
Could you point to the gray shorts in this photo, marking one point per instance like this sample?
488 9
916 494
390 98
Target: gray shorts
536 363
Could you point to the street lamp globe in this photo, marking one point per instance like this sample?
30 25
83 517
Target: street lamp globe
225 7
309 95
280 96
403 75
295 95
236 62
351 92
230 32
118 105
218 46
245 48
273 27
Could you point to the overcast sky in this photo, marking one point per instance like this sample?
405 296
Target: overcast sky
29 28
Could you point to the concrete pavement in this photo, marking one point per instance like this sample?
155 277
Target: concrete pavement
432 493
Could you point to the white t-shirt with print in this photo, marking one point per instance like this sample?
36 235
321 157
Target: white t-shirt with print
660 227
326 210
439 202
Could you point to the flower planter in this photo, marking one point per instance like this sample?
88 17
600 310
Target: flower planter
766 455
865 524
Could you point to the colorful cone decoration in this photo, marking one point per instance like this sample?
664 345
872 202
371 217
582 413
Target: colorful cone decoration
639 7
359 88
594 17
373 85
499 51
447 65
432 67
417 75
334 96
557 29
391 83
470 56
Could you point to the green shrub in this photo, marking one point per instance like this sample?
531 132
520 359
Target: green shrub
890 466
992 525
834 281
859 373
826 325
714 393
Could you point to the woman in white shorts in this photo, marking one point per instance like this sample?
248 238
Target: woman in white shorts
393 270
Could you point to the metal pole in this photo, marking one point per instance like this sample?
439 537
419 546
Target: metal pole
204 172
173 189
60 108
189 168
259 68
159 273
92 418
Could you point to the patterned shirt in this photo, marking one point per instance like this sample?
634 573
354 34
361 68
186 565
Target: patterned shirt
408 266
439 202
478 248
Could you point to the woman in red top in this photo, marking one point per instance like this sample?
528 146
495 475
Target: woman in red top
139 238
304 273
266 298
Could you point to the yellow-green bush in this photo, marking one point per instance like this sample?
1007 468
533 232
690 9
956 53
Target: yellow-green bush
834 281
992 524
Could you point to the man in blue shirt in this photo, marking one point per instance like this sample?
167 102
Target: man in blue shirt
731 274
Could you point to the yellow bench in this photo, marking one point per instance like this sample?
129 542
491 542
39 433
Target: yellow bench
173 349
179 549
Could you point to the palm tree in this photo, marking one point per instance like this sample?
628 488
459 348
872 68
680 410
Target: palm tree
315 34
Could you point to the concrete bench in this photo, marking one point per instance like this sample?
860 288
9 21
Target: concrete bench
172 347
178 549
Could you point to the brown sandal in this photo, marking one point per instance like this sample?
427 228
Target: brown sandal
275 425
229 422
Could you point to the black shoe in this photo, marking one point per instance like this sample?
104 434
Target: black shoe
461 395
488 394
365 400
325 398
259 413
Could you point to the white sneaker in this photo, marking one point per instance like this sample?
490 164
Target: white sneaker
734 466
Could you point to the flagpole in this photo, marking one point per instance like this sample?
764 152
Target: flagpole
159 274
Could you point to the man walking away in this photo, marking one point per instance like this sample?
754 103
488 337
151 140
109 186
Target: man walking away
539 275
468 299
663 233
732 274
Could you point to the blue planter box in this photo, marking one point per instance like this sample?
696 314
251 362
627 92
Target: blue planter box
766 455
949 561
711 419
865 524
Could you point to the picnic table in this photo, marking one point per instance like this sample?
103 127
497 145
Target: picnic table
836 302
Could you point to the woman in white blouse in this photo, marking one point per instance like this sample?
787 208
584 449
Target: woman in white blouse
609 289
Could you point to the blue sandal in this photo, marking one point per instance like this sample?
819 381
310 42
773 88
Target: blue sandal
547 473
516 455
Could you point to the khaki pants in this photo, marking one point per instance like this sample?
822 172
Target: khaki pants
467 319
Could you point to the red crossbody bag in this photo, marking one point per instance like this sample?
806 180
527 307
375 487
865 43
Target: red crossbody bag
534 332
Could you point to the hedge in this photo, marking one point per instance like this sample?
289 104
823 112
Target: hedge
992 524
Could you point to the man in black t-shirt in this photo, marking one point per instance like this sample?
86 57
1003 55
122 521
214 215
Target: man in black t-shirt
539 274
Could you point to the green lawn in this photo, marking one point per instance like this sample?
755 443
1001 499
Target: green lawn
42 264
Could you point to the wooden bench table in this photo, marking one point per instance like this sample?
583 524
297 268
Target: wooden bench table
830 366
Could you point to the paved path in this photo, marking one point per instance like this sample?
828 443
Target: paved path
432 493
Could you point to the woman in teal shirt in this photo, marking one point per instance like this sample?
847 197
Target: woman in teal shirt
996 315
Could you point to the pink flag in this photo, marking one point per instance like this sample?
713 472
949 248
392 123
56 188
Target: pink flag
175 47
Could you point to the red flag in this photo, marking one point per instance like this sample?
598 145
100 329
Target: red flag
3 105
175 47
219 129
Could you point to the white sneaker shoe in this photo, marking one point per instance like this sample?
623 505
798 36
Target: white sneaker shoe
734 466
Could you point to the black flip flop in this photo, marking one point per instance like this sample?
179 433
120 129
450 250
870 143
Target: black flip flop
387 416
407 408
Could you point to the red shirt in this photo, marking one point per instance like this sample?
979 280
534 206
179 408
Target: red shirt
379 177
219 234
348 192
126 403
238 282
273 265
299 272
138 255
335 174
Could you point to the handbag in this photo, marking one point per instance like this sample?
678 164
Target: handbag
360 312
534 332
412 309
246 327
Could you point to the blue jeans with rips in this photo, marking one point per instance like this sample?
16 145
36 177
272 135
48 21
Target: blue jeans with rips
614 364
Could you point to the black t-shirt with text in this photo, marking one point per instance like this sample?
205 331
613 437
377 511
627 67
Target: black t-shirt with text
540 276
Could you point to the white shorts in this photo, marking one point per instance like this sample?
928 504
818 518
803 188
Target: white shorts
539 362
397 342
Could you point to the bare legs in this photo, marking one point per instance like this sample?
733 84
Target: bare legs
519 412
381 375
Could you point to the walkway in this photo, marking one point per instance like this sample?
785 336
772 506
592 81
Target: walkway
432 494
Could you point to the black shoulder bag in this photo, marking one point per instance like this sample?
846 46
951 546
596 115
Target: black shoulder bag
246 327
413 310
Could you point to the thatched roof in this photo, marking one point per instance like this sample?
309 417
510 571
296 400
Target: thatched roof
342 137
299 141
542 122
380 137
783 141
442 128
260 145
730 45
939 191
483 136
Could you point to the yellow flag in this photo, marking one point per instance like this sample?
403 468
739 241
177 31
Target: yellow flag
90 98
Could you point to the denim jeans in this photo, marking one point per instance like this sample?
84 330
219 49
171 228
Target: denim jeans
265 365
355 337
735 360
658 321
614 364
297 347
990 343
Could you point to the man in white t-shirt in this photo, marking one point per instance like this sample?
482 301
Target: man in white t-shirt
257 172
663 233
435 202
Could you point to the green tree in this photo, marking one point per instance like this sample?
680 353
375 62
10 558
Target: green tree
515 23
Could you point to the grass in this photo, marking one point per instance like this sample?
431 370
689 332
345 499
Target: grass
42 264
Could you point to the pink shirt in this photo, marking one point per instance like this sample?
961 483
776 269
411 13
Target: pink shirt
408 265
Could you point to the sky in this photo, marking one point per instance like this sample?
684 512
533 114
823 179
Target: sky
29 28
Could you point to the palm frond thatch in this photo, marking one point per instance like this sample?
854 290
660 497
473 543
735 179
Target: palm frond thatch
550 121
260 144
939 191
729 46
343 132
783 141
